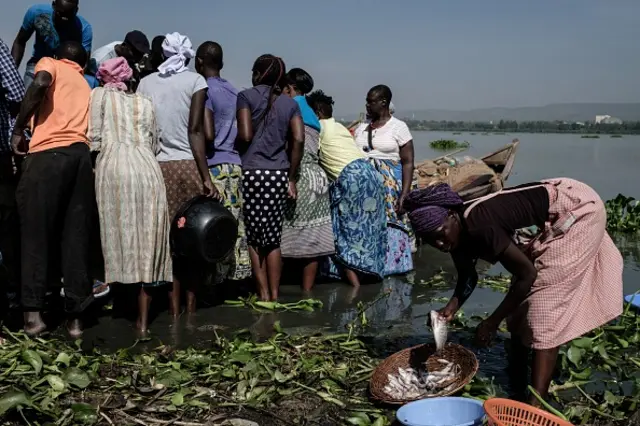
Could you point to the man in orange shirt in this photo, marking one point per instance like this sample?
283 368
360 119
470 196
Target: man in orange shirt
55 196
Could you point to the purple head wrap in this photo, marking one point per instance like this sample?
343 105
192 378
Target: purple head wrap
428 207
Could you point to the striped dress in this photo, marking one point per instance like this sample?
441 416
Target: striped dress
130 190
307 231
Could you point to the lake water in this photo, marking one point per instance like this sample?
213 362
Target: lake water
609 165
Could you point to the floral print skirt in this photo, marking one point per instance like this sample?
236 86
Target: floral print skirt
227 178
359 221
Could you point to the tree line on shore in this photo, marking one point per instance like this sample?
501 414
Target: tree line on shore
513 126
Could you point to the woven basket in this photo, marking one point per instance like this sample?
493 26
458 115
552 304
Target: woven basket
505 412
416 357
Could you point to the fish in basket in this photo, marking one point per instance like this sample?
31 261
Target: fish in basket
423 371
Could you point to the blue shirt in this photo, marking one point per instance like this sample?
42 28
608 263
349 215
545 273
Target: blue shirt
309 117
221 100
39 19
92 81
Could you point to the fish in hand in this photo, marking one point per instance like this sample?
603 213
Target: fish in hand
439 326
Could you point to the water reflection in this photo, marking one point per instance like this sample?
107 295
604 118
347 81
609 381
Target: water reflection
629 246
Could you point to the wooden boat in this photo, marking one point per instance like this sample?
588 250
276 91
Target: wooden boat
485 175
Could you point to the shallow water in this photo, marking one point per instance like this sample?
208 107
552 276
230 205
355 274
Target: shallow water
610 166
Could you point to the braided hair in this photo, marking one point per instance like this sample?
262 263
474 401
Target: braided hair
321 103
270 71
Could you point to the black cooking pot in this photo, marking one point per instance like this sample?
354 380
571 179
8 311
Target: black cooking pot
203 230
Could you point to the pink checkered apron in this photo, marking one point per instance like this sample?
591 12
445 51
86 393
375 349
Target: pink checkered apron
579 283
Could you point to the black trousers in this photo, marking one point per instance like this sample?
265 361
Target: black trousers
9 227
56 202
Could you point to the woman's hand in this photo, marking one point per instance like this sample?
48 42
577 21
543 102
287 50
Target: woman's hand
399 209
293 191
485 333
210 189
450 311
18 143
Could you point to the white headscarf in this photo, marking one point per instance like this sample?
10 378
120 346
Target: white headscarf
177 49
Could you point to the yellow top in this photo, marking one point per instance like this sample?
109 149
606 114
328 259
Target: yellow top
337 148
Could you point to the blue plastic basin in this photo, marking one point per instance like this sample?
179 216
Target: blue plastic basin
444 411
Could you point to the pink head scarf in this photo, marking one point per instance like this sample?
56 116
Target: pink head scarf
114 72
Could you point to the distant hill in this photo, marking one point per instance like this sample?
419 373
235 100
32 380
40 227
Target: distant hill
562 112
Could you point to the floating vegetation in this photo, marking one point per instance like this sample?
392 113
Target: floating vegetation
616 136
485 134
499 283
439 281
499 133
457 133
443 281
448 144
590 136
256 304
623 214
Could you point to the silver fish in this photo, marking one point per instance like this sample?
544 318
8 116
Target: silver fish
439 326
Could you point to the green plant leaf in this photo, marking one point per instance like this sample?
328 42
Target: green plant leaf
575 355
177 399
241 356
63 358
583 343
32 358
56 382
84 413
13 399
76 377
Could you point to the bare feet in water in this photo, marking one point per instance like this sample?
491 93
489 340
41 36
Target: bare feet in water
74 328
33 324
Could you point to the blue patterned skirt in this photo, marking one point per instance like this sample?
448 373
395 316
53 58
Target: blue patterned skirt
359 221
399 259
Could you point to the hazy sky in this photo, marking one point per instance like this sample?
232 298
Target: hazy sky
449 54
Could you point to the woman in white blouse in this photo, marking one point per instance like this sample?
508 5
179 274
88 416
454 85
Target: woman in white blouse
388 144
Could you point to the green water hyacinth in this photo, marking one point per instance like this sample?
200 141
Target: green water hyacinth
623 214
448 144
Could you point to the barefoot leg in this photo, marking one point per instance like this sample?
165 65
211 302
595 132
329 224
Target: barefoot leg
74 327
174 298
259 267
144 302
33 323
352 277
544 364
274 272
309 274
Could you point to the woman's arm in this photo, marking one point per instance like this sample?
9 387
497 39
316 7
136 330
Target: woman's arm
196 140
296 129
467 281
406 159
245 129
524 275
209 125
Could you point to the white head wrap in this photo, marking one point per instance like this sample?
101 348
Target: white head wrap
177 49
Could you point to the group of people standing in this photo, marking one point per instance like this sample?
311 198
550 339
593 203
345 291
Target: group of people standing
122 138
